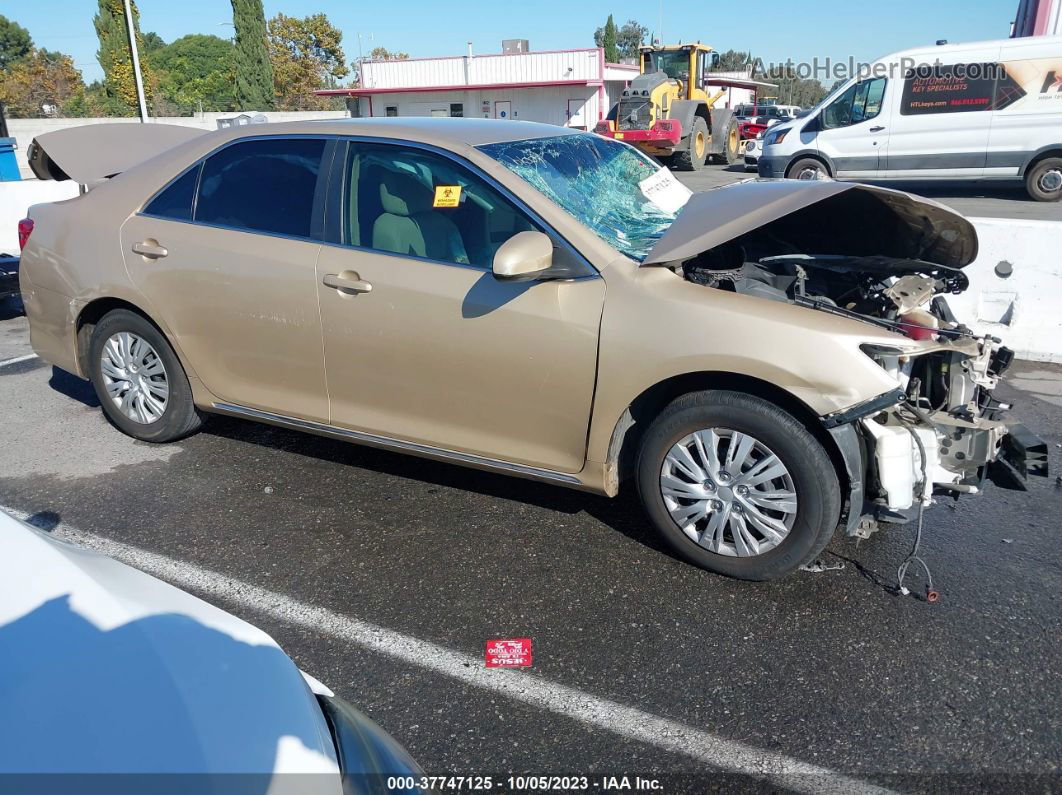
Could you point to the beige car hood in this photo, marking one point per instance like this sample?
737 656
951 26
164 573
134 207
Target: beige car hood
91 152
840 218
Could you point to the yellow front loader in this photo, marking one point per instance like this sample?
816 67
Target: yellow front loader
667 112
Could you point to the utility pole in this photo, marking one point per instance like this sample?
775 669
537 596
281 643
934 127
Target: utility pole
141 102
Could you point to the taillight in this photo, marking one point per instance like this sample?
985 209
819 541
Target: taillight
25 227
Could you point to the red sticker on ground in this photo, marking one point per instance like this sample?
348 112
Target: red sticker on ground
509 653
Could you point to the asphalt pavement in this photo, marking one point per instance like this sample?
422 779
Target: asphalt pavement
832 669
984 198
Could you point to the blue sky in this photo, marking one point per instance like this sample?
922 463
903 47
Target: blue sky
772 29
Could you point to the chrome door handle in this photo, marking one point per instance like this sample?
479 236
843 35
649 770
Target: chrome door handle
149 249
876 129
348 282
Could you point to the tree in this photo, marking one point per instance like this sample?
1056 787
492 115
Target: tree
628 39
384 54
734 61
42 84
306 55
15 42
608 41
196 71
253 68
152 43
119 83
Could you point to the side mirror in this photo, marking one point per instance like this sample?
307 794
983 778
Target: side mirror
524 256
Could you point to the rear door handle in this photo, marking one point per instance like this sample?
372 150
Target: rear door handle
347 282
149 249
876 129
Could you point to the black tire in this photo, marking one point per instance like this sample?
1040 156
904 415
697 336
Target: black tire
180 417
693 158
805 165
732 144
1040 180
813 478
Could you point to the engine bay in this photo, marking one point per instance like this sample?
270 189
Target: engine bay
947 431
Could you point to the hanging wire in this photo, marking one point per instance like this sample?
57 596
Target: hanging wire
901 572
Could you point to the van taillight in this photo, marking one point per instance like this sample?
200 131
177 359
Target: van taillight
25 226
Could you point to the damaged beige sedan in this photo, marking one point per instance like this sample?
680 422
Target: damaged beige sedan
767 363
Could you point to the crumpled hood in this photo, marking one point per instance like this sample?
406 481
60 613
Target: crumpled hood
91 152
105 669
850 219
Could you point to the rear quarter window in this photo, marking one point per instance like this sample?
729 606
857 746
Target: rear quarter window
175 200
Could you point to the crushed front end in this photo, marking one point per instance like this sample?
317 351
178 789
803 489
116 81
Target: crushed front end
889 260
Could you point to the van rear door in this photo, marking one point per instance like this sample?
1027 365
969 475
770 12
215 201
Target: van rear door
1028 109
940 125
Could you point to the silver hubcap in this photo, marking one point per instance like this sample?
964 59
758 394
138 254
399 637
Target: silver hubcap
728 492
1051 181
810 173
135 377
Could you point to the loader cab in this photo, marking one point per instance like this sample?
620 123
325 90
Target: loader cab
679 62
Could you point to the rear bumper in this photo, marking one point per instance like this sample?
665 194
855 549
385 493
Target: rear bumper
662 138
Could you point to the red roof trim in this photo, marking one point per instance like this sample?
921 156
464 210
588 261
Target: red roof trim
362 92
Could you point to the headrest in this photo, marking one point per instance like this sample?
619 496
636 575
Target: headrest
401 194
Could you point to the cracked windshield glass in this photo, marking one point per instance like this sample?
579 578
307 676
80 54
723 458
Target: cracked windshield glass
606 185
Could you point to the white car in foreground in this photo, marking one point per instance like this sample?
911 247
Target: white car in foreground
113 681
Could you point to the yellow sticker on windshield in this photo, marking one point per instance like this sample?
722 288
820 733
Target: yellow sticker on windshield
447 195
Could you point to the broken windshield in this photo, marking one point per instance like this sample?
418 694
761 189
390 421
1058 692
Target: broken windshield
603 183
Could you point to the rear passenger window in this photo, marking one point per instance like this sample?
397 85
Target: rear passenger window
263 186
175 201
953 88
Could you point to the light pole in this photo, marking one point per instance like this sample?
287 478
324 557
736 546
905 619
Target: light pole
137 77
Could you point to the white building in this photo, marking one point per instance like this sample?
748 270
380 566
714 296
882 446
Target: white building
572 88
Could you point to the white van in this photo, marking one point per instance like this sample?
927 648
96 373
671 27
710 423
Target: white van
988 110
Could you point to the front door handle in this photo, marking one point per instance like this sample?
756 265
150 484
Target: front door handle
876 129
150 249
347 282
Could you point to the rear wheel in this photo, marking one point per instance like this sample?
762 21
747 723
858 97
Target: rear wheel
139 381
807 168
1044 180
737 486
694 157
734 154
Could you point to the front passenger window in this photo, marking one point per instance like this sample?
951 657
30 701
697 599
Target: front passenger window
861 101
416 203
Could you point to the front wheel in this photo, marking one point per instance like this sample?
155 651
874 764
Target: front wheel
1044 180
693 158
737 486
807 168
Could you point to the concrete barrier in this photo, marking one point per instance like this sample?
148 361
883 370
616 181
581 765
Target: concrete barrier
25 130
1024 308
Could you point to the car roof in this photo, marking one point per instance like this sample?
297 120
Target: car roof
448 132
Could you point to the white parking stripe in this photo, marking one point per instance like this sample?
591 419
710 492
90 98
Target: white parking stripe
629 722
18 359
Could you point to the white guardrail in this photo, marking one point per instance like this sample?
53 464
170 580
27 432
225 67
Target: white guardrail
1023 308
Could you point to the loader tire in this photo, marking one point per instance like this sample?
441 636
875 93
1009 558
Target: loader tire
693 158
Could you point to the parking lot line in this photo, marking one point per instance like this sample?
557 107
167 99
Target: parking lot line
629 722
18 359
